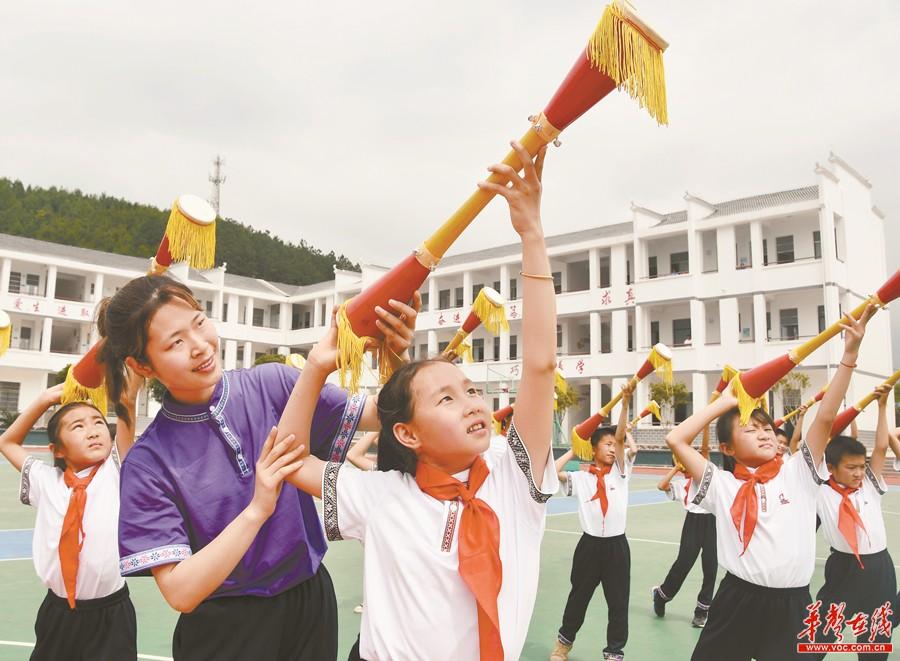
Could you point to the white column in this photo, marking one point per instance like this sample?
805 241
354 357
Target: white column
619 331
504 344
230 354
329 306
46 334
51 282
284 351
317 312
248 355
432 293
285 316
760 334
698 323
725 250
695 253
432 343
234 308
248 315
756 244
5 269
595 396
504 281
700 390
593 268
218 305
640 260
618 263
641 326
594 323
729 333
467 290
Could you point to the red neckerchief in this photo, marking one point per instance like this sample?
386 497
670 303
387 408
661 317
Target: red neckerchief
71 537
848 517
745 507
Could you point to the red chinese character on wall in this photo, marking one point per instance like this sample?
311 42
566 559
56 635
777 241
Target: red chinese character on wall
579 366
441 320
61 310
513 312
18 304
606 299
456 317
629 295
514 370
36 306
85 312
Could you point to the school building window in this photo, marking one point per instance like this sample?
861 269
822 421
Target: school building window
240 354
425 300
224 311
654 333
9 396
605 344
787 320
258 314
651 266
557 282
817 244
442 346
679 262
784 249
821 313
559 336
496 348
513 347
681 331
604 273
765 252
475 290
443 299
458 297
478 350
684 410
514 288
208 306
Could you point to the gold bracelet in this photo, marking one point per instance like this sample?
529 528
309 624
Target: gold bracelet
535 276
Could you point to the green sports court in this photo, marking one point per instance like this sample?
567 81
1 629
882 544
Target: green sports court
654 526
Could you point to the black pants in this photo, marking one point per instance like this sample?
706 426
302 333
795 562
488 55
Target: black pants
697 534
103 629
600 560
299 624
862 590
748 621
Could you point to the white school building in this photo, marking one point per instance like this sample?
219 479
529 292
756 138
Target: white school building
738 281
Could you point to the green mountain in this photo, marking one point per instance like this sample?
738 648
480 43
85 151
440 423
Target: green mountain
113 225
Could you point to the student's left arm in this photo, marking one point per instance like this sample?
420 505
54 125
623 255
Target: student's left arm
125 432
882 440
820 431
399 329
12 439
627 391
794 443
631 448
533 416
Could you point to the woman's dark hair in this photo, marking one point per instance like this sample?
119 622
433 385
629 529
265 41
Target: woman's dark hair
609 430
395 404
725 423
841 446
53 428
123 321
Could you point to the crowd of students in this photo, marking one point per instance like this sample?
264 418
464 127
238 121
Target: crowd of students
215 500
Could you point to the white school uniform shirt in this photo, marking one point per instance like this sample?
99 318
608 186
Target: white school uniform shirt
43 487
782 551
416 604
677 492
583 485
867 502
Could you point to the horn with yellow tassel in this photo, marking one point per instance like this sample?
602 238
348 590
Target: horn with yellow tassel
728 373
659 360
847 416
625 53
190 236
501 418
652 408
751 386
488 310
817 398
5 332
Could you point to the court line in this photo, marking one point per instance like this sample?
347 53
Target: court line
151 657
12 559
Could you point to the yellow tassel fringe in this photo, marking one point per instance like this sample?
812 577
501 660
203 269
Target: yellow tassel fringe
493 317
190 241
581 447
75 392
5 339
662 365
350 350
464 351
746 403
654 409
622 52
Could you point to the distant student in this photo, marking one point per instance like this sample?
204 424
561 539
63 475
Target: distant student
602 555
859 572
765 519
87 614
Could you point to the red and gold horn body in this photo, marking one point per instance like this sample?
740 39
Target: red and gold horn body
624 52
845 417
487 310
501 418
85 380
728 373
652 408
750 386
817 398
660 359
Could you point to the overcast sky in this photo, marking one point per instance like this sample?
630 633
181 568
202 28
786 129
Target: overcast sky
359 126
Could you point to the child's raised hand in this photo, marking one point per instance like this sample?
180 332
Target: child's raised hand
855 329
627 392
323 355
276 461
399 325
52 396
883 391
522 193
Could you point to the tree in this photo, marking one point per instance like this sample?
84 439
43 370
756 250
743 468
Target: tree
269 358
668 397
